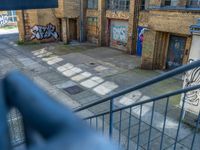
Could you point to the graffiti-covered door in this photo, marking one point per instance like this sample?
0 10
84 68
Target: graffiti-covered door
118 34
175 51
72 29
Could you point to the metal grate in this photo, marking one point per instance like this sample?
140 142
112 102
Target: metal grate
73 90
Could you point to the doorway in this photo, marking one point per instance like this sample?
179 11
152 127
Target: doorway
72 29
175 51
119 34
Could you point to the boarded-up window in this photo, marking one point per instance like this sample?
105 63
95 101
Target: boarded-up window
92 26
194 3
92 4
169 3
92 29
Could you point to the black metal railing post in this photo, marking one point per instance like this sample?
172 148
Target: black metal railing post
111 118
195 131
180 119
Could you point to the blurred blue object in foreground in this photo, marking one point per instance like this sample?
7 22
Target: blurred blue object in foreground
47 124
27 4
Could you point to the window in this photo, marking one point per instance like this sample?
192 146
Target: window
142 6
92 29
118 4
92 21
12 16
167 3
194 3
92 4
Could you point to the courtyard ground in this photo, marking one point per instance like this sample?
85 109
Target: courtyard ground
79 74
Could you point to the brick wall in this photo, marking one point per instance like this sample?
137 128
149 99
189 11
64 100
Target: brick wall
169 21
68 8
37 18
52 19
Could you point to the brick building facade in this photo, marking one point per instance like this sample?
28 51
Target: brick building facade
45 25
157 30
162 31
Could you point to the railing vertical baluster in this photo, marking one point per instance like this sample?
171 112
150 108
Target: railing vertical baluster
165 118
120 126
195 132
138 139
129 127
180 119
103 124
111 118
97 123
90 122
151 123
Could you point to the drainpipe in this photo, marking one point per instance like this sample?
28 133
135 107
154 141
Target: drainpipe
24 27
81 21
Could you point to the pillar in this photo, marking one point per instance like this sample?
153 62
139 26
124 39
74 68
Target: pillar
148 49
64 30
101 22
132 26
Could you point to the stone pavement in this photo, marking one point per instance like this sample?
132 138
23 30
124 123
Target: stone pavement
77 75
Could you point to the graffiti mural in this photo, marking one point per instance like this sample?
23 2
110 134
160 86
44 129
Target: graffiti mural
192 78
119 33
3 20
44 32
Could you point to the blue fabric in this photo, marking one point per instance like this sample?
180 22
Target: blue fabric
139 42
27 4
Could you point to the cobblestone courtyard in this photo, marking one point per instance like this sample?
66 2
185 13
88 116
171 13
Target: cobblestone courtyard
79 74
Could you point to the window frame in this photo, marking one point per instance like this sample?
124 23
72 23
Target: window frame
94 4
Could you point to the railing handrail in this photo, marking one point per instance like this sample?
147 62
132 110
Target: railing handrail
180 91
156 79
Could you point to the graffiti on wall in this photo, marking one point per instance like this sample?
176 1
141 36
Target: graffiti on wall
192 78
3 20
119 33
40 32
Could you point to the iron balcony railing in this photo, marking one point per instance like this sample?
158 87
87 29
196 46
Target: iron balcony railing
152 123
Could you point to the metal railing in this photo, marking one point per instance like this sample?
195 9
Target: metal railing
148 124
145 124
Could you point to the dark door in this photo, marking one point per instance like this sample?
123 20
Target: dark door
175 51
72 29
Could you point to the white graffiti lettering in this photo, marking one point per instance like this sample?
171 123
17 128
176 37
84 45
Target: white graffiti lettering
192 78
3 20
44 32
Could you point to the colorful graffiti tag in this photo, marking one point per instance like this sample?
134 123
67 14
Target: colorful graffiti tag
3 20
119 33
44 32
